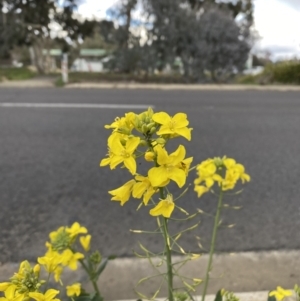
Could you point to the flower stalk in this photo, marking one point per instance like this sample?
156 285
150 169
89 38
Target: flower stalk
213 242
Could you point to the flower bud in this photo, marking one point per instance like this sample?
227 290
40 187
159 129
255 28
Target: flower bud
144 128
37 269
149 156
152 130
161 141
143 142
150 125
124 130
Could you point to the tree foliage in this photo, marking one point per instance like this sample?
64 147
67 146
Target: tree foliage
31 23
208 36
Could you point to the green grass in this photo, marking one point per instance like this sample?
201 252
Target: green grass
286 72
16 73
78 77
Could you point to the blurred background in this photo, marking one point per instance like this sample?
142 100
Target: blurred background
185 41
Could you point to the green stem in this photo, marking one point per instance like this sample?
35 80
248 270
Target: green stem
212 244
169 259
168 251
94 283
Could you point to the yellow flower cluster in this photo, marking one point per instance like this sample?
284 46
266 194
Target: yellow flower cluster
60 252
224 171
145 135
26 283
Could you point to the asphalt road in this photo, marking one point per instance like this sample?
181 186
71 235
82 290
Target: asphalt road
50 174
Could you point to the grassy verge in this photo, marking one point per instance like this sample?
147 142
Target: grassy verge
16 74
78 77
278 73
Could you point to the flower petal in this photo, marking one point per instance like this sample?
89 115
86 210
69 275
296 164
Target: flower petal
178 176
164 208
184 132
158 176
130 164
162 155
200 190
181 120
161 117
132 144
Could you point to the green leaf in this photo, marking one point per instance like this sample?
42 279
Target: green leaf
271 298
82 298
219 296
97 297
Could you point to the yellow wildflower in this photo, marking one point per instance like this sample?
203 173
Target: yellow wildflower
60 240
176 125
114 135
70 259
51 262
48 296
200 190
74 290
149 156
4 286
76 229
10 294
143 188
225 171
168 169
124 154
185 165
85 242
122 193
123 124
165 207
280 293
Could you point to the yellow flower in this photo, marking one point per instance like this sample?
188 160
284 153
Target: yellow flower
114 135
185 165
60 239
76 229
168 169
200 190
10 294
280 293
164 207
123 124
149 156
143 188
176 125
74 289
122 193
70 259
4 286
207 172
124 154
85 241
51 262
48 296
211 171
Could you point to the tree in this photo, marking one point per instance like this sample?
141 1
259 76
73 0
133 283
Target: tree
31 22
207 36
221 49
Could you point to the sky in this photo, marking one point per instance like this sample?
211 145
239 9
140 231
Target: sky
277 22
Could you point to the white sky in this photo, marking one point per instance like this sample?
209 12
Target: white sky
277 21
